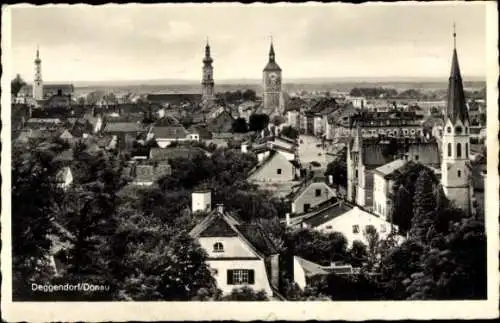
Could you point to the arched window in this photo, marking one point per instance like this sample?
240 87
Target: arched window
449 149
218 247
459 150
467 149
466 129
458 130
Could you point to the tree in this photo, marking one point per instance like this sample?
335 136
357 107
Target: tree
338 169
249 95
424 206
34 195
16 85
258 122
240 125
245 294
290 132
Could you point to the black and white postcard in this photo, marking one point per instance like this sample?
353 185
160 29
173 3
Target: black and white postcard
287 161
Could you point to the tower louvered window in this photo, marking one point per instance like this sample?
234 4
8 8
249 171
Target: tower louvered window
459 150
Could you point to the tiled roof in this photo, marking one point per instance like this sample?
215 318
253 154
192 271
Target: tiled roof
222 123
162 154
373 156
428 153
389 168
123 127
252 234
175 98
174 132
327 214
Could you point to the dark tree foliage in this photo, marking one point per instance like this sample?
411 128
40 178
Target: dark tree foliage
16 85
338 169
373 92
403 192
34 198
258 122
316 246
249 95
245 294
347 287
240 125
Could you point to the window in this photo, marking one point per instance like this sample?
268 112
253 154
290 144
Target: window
416 157
458 130
448 129
459 150
318 192
467 150
356 173
278 171
328 227
307 206
355 228
466 129
459 173
449 149
218 247
240 276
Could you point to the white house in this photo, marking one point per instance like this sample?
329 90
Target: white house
64 177
309 195
238 254
382 187
345 218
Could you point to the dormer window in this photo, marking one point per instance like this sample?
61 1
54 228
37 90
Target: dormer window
218 247
458 130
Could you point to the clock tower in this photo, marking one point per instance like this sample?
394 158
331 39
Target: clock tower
272 86
37 80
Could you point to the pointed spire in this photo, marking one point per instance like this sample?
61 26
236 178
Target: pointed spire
454 36
271 51
207 59
456 108
37 59
358 138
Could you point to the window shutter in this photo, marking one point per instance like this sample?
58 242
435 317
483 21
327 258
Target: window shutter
230 277
251 277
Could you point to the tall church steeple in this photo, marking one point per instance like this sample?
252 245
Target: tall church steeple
273 104
37 79
455 166
207 79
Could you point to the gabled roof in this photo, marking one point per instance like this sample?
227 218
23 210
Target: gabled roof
305 185
311 268
123 127
329 213
389 168
170 132
223 224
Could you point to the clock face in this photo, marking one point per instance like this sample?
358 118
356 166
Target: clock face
273 78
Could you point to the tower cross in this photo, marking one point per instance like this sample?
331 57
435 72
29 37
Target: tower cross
454 36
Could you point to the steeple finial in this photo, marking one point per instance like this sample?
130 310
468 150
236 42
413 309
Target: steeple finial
207 42
454 36
271 50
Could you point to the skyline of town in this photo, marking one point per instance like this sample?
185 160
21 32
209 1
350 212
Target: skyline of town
173 48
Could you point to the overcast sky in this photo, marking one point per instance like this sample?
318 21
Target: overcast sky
85 43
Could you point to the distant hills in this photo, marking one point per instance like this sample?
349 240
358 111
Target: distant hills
318 81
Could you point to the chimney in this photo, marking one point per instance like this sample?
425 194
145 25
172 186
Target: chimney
201 201
287 219
220 208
